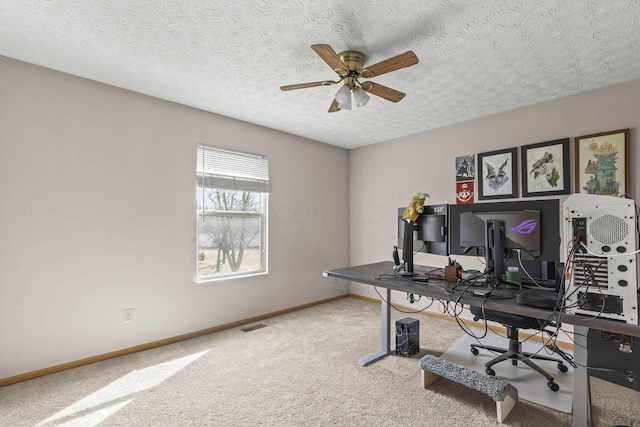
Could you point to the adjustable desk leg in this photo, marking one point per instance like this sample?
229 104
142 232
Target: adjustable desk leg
581 387
386 332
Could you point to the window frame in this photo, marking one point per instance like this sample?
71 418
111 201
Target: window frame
259 186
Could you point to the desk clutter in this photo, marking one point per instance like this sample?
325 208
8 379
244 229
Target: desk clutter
529 291
585 252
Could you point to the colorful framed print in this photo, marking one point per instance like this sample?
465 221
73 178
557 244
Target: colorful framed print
466 167
545 168
464 192
602 163
497 174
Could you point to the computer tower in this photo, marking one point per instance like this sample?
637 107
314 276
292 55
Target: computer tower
600 232
614 358
407 337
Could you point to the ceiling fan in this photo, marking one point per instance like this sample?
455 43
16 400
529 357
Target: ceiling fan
349 66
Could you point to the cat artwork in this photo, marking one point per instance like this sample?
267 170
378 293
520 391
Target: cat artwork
496 176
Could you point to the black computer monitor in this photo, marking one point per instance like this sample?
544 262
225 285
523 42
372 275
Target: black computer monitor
427 234
497 230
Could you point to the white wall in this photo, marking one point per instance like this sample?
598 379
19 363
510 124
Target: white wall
425 162
98 215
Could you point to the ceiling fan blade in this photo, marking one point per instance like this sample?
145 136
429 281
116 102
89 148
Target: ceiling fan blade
306 85
383 91
403 60
331 58
334 107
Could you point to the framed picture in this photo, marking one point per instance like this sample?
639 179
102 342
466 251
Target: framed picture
545 168
464 192
602 163
466 167
497 174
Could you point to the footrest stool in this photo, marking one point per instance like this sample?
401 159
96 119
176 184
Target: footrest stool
502 392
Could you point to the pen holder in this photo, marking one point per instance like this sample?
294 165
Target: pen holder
452 273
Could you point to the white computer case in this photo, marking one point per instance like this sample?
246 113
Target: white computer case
603 277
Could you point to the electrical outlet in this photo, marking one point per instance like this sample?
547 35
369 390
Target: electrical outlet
127 315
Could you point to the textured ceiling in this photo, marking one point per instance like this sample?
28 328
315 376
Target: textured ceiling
230 57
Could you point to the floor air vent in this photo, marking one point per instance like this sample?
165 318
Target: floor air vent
253 327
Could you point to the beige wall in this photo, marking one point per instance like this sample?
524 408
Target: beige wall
98 215
97 210
425 162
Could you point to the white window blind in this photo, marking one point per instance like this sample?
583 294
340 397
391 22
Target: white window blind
232 170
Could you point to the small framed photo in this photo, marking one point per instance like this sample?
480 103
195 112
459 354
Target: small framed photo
465 167
497 174
545 168
464 192
602 163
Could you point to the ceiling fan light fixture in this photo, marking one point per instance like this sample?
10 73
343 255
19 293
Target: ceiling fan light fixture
360 97
343 95
347 104
349 65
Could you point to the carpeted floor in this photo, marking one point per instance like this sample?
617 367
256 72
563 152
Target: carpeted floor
300 369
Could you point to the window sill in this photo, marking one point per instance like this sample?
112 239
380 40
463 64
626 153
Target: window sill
231 276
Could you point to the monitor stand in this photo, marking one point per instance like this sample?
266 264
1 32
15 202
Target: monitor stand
494 257
407 250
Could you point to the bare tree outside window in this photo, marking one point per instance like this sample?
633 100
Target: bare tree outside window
231 235
232 195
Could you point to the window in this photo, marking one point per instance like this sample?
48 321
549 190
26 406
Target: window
231 208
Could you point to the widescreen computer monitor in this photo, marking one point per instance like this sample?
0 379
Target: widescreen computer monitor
427 234
497 230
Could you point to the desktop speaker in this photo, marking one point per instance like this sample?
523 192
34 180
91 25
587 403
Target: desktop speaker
407 337
603 279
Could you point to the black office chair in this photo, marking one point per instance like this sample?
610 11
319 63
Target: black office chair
513 323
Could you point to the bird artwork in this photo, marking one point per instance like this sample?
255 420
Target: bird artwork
544 168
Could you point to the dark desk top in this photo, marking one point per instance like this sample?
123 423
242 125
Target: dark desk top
381 274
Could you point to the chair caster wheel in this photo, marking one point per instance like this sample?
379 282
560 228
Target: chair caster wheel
490 372
553 386
474 351
562 367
